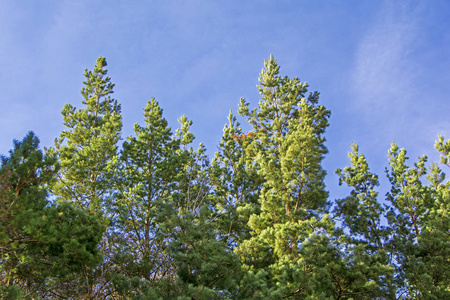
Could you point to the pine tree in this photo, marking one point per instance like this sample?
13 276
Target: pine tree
87 153
236 187
24 175
205 267
418 216
87 150
369 269
159 221
41 243
151 162
408 259
285 148
167 217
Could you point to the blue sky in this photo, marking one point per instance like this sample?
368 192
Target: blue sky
382 67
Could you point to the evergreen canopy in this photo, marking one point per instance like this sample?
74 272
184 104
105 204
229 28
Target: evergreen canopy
154 218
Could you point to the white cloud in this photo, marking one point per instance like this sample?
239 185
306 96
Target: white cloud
383 75
397 83
386 84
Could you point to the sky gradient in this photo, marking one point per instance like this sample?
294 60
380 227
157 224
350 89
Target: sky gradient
381 67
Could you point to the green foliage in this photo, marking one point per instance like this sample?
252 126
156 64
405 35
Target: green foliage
87 152
157 220
166 217
287 143
365 245
411 254
419 219
88 148
205 268
361 211
151 162
285 149
40 242
236 187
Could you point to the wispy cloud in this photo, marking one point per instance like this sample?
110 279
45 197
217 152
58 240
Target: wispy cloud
386 84
383 76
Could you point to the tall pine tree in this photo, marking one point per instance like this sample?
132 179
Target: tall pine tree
87 149
286 148
151 162
88 156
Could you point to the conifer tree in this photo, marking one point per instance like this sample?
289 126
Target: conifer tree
87 150
159 221
408 259
167 217
151 163
369 268
285 148
235 186
205 268
418 216
24 175
40 243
